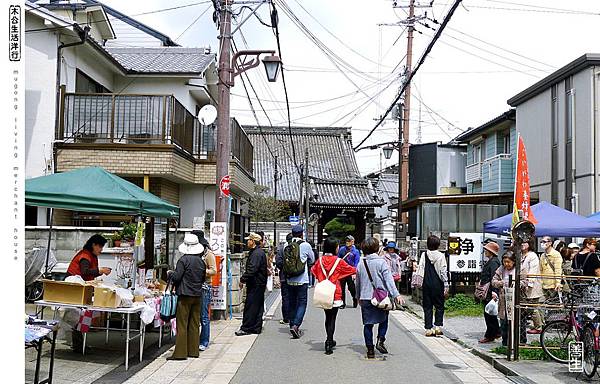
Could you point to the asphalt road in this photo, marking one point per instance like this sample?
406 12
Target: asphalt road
276 358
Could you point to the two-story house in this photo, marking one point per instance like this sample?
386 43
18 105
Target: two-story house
125 99
491 155
559 121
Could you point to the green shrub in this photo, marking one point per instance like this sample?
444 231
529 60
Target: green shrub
463 305
528 354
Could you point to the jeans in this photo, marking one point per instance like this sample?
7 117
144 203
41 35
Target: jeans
285 301
351 287
204 316
298 295
330 316
381 331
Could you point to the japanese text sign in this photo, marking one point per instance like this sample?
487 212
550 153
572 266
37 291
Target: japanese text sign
465 252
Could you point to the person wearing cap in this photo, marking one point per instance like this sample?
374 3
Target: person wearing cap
285 300
211 269
351 255
188 278
255 279
492 263
568 254
298 285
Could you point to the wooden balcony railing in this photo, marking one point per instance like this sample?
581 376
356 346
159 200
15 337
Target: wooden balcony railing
144 119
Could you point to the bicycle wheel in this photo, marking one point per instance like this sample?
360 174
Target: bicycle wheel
555 339
590 355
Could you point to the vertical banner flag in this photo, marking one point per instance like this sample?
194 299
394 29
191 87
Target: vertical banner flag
522 201
218 244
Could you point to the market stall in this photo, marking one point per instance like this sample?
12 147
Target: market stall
552 221
96 190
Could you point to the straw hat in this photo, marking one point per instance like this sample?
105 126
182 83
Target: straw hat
191 245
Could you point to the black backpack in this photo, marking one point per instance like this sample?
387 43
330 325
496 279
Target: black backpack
292 264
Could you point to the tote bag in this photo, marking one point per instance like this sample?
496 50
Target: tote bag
324 293
417 277
168 304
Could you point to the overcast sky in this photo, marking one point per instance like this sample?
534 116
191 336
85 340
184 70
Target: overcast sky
491 50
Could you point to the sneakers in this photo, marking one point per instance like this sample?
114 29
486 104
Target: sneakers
282 321
438 331
430 333
241 333
203 347
296 333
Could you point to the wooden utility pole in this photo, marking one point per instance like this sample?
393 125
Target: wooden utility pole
223 123
403 162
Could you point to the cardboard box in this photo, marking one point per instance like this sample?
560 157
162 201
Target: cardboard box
67 293
138 298
106 298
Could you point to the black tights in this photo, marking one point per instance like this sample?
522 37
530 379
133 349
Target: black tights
330 315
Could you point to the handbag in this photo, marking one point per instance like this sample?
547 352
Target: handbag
168 304
324 294
481 291
397 277
380 298
417 277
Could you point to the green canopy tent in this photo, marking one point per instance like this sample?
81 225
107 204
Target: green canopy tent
94 190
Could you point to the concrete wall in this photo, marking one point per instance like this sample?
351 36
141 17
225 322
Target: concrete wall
195 200
451 163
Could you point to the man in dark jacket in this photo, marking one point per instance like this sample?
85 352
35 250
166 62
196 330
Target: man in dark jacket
255 277
492 263
351 255
285 299
188 278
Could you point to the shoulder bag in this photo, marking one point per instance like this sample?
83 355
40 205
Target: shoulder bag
417 277
381 298
168 304
324 294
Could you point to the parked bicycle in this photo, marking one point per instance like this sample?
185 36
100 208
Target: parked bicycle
35 268
581 323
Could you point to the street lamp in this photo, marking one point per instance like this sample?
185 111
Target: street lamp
272 65
388 150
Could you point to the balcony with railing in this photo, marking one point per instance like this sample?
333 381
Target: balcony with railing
473 173
107 119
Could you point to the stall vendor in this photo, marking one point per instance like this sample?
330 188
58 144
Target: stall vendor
85 262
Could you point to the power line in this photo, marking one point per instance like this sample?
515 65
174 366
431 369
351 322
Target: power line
412 73
114 18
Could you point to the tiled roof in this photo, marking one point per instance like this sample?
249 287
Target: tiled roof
332 166
162 59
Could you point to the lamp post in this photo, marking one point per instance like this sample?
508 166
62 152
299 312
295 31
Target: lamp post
229 68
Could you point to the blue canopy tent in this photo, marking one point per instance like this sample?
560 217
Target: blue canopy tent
595 217
552 221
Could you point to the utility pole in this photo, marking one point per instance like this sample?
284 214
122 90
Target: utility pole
405 126
400 146
275 242
307 194
224 121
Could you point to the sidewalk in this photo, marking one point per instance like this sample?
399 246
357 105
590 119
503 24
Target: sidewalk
467 331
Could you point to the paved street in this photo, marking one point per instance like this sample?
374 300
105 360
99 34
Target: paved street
276 358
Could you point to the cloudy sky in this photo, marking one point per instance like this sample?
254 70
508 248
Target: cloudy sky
491 50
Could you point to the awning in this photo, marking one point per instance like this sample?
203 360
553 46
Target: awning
552 221
95 190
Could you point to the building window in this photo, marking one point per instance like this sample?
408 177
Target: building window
569 108
85 84
504 144
477 154
554 146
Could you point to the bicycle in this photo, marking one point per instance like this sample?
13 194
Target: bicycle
581 324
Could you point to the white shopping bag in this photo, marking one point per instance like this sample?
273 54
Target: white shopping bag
492 308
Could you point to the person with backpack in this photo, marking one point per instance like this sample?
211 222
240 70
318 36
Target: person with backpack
285 299
587 262
188 278
332 268
351 255
373 276
255 278
435 286
297 255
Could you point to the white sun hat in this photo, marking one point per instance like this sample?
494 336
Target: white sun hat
191 245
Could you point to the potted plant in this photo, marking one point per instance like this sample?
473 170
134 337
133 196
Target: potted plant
128 232
116 238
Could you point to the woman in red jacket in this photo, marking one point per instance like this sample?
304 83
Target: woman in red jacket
342 270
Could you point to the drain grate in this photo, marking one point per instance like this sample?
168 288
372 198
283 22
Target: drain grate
447 366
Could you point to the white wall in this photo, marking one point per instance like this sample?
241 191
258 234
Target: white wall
40 97
194 200
451 165
90 62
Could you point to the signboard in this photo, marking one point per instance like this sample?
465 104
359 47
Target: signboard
465 252
509 294
294 220
218 244
224 185
576 356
